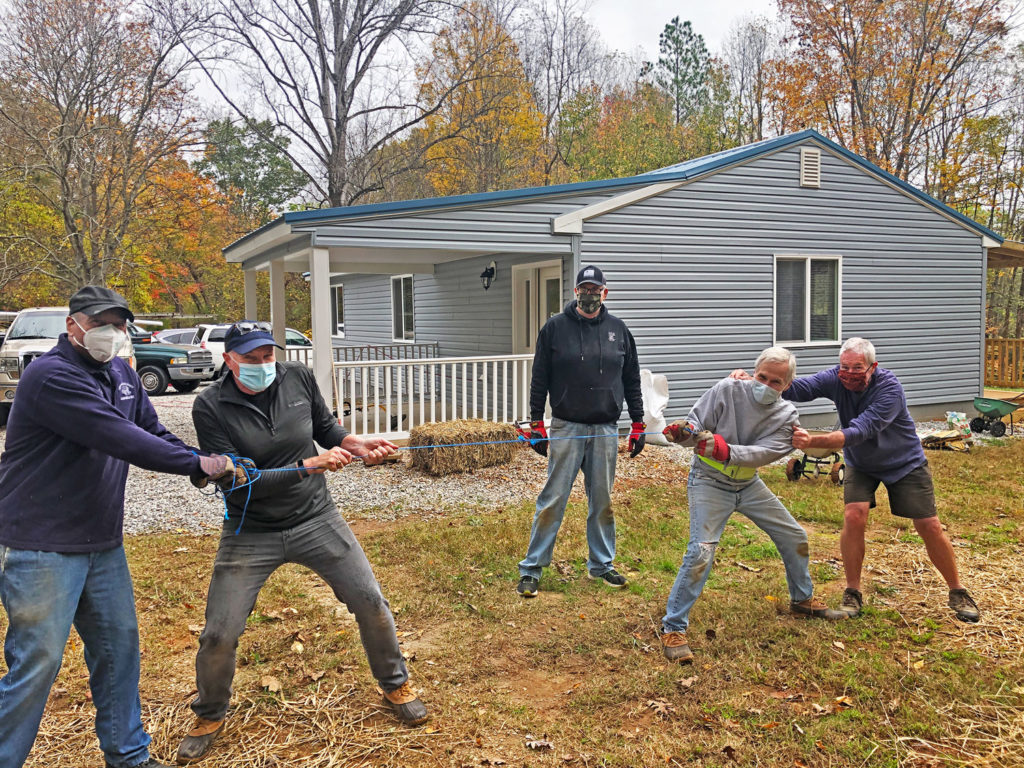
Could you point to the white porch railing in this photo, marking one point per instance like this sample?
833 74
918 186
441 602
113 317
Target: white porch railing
354 352
389 398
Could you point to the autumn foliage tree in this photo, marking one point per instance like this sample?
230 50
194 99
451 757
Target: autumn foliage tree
488 133
873 75
94 102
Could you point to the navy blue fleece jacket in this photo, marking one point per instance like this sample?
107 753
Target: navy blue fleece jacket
74 428
880 437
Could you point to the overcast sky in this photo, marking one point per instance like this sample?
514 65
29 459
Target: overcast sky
628 24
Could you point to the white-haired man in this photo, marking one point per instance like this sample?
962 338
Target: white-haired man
736 427
880 446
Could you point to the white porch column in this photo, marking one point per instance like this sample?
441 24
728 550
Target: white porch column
320 313
277 300
250 294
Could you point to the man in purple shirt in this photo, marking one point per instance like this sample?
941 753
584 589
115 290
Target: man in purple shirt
80 417
881 446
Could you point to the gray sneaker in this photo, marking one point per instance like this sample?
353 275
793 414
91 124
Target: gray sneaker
612 578
528 586
852 602
963 605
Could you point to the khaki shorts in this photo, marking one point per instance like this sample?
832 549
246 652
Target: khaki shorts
912 496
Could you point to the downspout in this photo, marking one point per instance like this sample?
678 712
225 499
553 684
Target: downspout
984 313
576 241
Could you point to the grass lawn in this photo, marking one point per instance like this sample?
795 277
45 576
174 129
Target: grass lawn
575 677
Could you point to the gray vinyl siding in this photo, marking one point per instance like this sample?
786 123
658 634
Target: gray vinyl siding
691 272
367 308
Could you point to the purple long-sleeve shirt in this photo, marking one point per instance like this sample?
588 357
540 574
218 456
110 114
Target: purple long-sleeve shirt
880 437
72 432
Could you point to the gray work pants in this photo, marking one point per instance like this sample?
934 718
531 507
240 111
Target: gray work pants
244 562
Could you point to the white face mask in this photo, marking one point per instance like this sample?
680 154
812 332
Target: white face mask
764 394
103 342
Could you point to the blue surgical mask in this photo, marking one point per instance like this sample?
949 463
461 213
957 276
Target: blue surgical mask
256 377
764 394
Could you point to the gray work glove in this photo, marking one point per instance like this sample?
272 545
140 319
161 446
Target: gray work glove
213 467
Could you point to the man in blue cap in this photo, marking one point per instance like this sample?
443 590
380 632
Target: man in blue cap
271 413
81 416
586 361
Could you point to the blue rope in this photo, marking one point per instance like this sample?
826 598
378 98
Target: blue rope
253 473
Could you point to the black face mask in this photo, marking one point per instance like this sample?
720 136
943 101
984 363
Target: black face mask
589 302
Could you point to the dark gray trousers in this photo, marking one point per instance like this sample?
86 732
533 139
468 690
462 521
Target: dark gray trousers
244 562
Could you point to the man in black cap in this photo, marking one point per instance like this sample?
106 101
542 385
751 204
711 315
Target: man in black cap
271 413
81 416
586 361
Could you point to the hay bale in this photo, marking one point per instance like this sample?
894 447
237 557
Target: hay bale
461 458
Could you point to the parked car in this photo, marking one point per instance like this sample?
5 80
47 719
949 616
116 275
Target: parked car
182 366
139 335
176 335
33 332
211 337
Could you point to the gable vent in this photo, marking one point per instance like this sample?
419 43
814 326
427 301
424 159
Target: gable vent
810 167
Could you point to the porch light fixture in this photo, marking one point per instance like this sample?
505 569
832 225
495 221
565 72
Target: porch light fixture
487 276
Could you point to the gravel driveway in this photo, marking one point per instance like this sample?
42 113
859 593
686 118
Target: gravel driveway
160 502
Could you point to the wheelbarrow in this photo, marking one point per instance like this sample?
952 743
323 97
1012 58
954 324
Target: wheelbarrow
816 462
992 412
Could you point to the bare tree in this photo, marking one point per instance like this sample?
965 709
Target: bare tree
336 75
562 54
748 50
94 102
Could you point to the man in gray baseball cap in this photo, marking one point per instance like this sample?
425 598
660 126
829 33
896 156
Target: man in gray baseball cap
81 416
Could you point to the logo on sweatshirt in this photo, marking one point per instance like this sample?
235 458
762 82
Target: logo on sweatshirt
126 390
611 335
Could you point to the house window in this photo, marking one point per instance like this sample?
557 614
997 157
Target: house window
401 308
807 304
338 309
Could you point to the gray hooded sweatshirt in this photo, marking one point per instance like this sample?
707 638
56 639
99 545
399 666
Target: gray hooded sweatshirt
757 434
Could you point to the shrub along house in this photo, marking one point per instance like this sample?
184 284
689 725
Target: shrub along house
793 240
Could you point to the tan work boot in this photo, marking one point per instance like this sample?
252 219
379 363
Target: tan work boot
197 742
407 705
673 645
813 608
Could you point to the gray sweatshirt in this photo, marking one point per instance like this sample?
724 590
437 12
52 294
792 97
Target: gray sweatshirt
757 434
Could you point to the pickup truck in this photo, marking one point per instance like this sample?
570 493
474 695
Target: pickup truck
33 332
181 366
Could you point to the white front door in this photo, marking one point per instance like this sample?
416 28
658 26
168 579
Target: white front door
536 296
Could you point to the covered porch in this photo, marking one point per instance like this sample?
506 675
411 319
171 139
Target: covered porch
389 386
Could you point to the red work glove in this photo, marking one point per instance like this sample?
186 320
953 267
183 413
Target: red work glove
680 432
539 437
637 438
716 449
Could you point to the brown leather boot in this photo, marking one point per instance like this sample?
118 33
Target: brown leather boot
406 704
813 608
197 742
675 648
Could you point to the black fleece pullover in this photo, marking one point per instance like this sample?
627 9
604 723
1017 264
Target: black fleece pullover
588 365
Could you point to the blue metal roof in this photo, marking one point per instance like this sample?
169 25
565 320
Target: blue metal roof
678 172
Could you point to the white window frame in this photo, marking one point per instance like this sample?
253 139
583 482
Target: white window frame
391 285
807 258
338 331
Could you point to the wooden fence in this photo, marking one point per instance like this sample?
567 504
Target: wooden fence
1004 363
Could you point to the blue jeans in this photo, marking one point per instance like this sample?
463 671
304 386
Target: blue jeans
711 506
596 457
324 544
44 593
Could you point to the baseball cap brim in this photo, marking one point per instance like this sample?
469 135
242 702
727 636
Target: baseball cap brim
250 341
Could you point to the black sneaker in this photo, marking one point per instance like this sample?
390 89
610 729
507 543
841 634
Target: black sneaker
528 586
150 763
612 578
963 605
852 602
